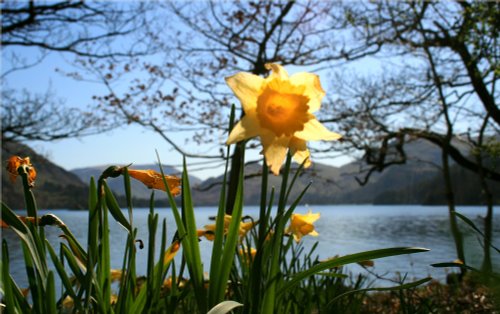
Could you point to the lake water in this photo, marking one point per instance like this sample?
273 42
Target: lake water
343 229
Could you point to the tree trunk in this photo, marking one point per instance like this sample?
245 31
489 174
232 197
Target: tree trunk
450 198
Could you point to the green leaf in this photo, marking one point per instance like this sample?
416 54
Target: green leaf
224 307
10 218
400 287
219 236
231 242
115 209
473 226
63 275
8 294
194 261
50 294
460 265
139 302
348 259
128 193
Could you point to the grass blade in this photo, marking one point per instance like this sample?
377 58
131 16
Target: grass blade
348 259
224 307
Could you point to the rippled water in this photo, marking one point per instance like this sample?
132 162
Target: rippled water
343 229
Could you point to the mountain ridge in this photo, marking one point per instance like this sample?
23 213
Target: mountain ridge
416 182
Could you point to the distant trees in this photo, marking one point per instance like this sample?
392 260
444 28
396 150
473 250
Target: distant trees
33 29
441 85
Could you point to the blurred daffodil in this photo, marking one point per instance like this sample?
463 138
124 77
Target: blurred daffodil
154 180
279 109
15 162
209 231
302 224
167 283
115 275
247 254
171 252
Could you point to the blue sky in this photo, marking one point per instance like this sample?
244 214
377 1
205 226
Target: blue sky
121 146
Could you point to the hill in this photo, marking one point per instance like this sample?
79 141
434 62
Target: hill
416 182
54 186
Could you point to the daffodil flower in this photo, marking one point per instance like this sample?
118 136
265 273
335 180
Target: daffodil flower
171 252
209 232
154 180
302 224
279 109
247 255
115 275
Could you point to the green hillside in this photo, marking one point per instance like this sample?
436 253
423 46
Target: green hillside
54 187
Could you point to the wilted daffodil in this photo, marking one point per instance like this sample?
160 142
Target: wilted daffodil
279 109
154 180
301 225
13 165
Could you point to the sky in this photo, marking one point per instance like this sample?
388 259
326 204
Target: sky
122 146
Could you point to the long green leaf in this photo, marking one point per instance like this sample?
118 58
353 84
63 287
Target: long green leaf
114 208
8 290
194 263
348 259
232 238
50 294
460 265
268 303
138 304
92 240
28 236
63 275
473 226
219 237
9 217
224 307
400 287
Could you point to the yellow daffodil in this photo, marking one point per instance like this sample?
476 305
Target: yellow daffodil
167 283
247 255
115 275
13 164
68 303
154 180
279 109
209 232
301 225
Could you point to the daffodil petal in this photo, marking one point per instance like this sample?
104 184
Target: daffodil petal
275 149
313 88
313 233
299 151
246 87
277 71
315 131
310 217
297 237
246 128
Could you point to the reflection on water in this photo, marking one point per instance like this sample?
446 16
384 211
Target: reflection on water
343 230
